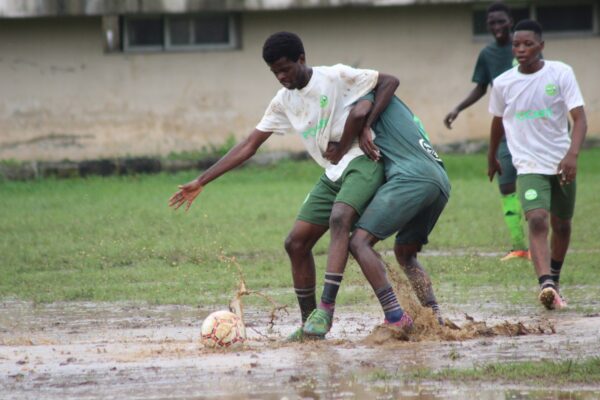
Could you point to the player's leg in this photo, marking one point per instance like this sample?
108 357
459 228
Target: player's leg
312 222
358 184
373 267
562 210
535 196
410 240
511 207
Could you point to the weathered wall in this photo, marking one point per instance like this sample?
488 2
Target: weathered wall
61 97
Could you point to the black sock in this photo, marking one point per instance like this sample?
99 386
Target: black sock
546 281
306 301
331 286
555 267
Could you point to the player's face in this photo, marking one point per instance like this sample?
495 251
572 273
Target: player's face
499 25
527 47
289 73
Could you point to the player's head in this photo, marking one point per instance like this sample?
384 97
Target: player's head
527 42
284 53
499 21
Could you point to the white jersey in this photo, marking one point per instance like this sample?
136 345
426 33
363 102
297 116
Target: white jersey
318 111
534 110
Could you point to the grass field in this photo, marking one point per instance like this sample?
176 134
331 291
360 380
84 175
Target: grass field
115 239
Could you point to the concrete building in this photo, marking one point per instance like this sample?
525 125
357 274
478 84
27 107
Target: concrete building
101 78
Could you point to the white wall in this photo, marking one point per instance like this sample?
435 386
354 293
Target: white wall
62 97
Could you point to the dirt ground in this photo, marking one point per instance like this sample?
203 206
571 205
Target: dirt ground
128 351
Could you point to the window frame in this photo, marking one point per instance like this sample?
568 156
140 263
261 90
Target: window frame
166 46
533 12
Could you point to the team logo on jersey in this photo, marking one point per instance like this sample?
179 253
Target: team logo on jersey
323 101
531 194
551 89
428 149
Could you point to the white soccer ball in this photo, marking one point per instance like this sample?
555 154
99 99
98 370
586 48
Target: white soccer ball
223 329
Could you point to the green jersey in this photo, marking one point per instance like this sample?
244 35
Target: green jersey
493 60
404 144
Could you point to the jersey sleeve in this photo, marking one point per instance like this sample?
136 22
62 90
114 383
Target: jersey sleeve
481 73
275 119
356 82
497 103
570 89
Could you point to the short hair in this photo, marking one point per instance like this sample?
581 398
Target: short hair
499 6
529 25
282 44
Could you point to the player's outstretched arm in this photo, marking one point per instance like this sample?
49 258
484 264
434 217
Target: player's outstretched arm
567 168
384 91
473 96
497 132
236 156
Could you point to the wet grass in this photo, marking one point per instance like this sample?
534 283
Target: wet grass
115 239
554 373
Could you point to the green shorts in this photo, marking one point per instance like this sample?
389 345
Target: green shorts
408 208
545 191
356 187
509 172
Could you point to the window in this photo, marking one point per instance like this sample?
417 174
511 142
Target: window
560 17
180 32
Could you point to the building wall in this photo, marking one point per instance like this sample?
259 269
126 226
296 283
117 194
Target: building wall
63 98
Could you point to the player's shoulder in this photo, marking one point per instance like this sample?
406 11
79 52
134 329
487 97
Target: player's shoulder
506 77
559 65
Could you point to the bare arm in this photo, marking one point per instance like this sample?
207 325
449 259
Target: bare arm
496 134
384 91
567 168
474 95
236 156
352 128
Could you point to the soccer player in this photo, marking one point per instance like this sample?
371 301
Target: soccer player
493 60
531 103
408 204
313 103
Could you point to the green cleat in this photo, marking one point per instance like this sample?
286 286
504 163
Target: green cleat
296 336
317 324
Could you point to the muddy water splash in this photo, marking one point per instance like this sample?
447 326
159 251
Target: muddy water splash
427 328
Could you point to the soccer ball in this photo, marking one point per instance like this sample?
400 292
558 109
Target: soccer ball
223 329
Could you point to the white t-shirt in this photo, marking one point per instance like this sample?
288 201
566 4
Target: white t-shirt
534 110
318 111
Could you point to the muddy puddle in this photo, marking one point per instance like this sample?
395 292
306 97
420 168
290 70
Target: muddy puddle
133 351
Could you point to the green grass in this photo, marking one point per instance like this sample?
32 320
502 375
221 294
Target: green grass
554 373
115 239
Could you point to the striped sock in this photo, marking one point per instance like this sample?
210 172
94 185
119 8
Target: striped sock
389 303
306 301
332 284
555 267
546 281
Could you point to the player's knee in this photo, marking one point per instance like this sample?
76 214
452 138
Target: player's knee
357 245
538 224
405 254
295 245
341 219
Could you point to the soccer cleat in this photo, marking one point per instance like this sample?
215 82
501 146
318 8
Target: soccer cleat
296 336
317 324
550 298
517 254
405 323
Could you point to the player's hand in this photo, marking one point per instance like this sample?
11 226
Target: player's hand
567 169
334 152
450 118
493 168
186 194
365 141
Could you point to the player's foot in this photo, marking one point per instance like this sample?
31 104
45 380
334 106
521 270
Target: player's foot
296 336
405 323
524 254
317 324
550 298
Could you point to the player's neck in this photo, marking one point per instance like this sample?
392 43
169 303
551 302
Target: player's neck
305 78
531 68
504 41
